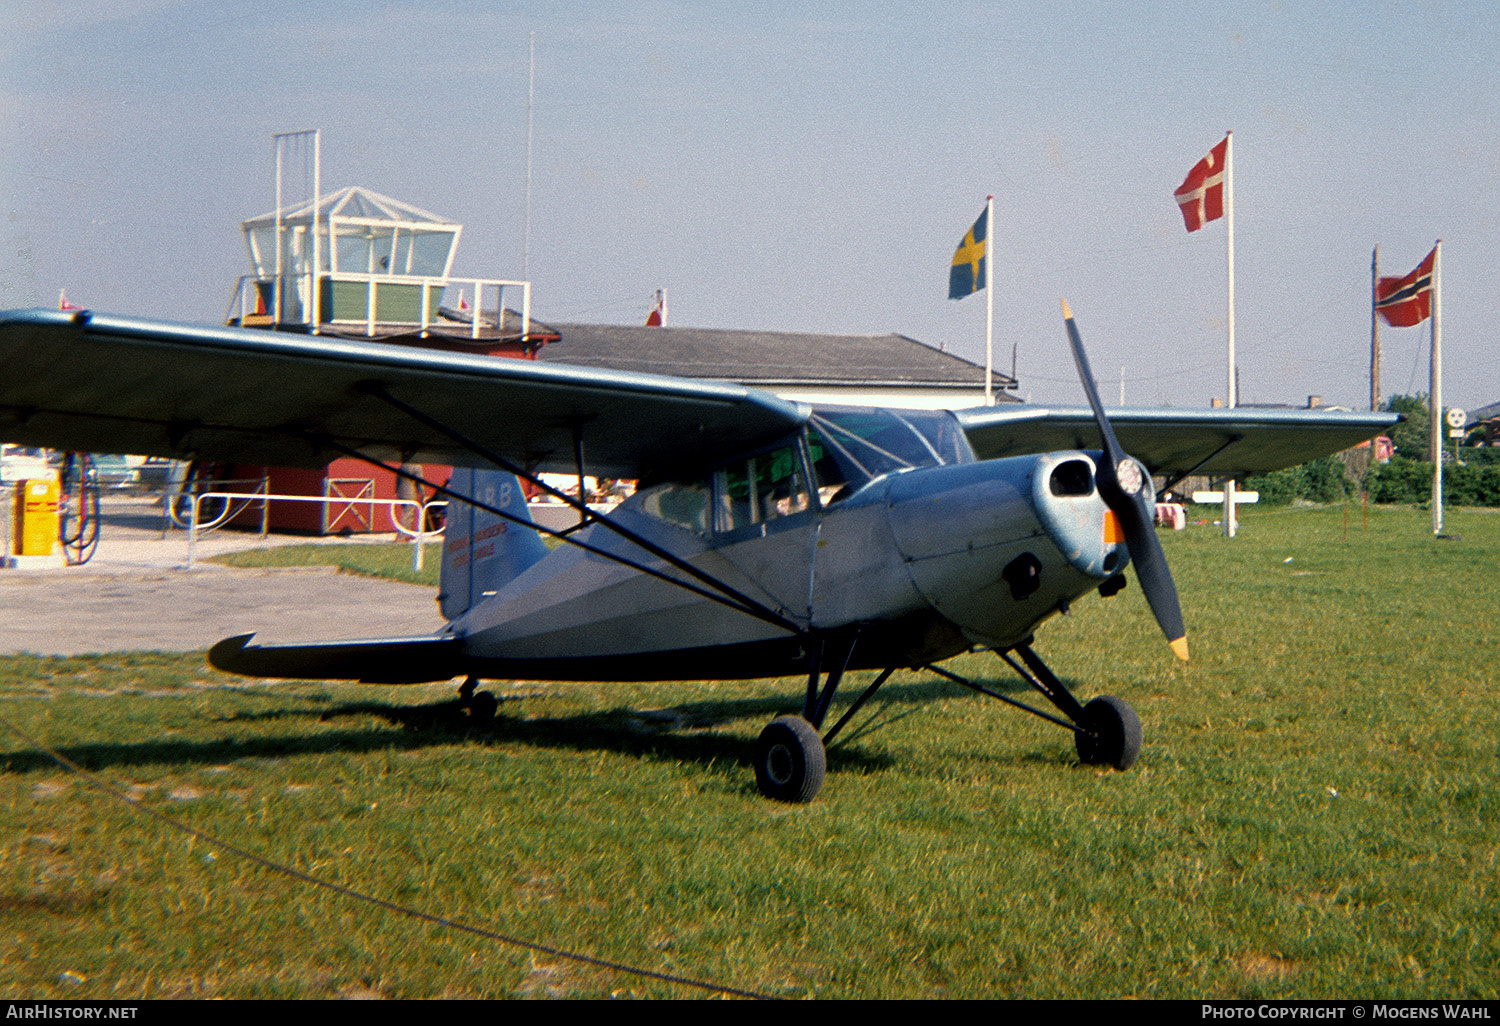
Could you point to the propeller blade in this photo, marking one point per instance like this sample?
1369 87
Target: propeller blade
1124 487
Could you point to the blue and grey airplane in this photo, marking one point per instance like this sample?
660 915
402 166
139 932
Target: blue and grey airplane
767 538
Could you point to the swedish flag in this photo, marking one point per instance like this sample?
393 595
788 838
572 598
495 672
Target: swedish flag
967 275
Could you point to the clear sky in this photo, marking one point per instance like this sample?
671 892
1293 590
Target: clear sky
805 166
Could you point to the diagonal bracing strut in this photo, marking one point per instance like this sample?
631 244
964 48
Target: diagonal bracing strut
972 686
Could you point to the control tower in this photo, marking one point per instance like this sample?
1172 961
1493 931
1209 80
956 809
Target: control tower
359 265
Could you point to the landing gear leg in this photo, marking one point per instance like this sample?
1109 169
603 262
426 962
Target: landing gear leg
1107 732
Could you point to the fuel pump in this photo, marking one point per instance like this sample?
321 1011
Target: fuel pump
78 512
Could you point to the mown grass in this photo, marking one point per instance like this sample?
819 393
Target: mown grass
1314 814
390 560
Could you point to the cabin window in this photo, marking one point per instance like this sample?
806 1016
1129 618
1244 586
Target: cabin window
761 489
683 504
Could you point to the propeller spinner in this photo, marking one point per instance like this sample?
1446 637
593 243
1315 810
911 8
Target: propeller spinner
1123 485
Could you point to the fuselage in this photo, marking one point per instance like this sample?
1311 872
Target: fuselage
870 521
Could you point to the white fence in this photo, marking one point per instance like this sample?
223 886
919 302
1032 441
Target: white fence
419 533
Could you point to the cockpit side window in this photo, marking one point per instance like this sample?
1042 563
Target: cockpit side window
828 467
684 504
761 489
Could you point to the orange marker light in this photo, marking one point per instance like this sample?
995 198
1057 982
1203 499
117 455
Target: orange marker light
1114 534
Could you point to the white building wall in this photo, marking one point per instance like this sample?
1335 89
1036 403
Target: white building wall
900 398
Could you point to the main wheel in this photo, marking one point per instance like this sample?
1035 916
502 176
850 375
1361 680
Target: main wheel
1115 733
789 760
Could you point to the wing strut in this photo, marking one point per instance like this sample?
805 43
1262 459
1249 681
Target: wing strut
748 604
1167 487
722 593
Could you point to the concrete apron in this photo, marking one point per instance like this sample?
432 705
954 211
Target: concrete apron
134 595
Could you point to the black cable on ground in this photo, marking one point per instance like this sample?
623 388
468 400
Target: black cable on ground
100 784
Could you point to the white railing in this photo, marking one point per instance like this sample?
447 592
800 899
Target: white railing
419 533
243 305
175 504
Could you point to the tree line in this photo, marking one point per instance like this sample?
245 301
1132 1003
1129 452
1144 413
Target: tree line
1471 472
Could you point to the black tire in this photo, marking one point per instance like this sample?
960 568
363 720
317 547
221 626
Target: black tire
789 760
1115 738
482 708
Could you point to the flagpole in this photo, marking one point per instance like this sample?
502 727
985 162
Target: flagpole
1375 329
526 229
1230 511
1435 400
989 301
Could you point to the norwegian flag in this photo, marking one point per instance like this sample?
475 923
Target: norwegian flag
1201 194
1406 302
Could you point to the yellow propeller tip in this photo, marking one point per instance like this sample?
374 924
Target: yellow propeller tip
1067 311
1179 648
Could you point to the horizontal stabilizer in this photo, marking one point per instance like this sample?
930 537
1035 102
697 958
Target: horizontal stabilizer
378 661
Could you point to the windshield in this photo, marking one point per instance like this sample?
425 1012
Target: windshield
850 446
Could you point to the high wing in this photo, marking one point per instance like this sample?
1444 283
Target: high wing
97 383
1174 442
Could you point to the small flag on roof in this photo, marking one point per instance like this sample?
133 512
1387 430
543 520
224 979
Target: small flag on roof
658 315
967 274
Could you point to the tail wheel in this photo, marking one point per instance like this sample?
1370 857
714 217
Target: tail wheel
406 516
201 477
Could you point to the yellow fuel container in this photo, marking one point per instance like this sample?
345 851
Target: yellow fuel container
35 524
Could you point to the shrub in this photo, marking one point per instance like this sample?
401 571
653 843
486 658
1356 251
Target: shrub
1408 481
1319 481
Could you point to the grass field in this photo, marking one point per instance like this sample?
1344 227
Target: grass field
1315 813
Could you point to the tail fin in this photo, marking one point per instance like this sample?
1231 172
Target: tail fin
481 551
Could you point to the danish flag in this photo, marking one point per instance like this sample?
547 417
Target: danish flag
1201 194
